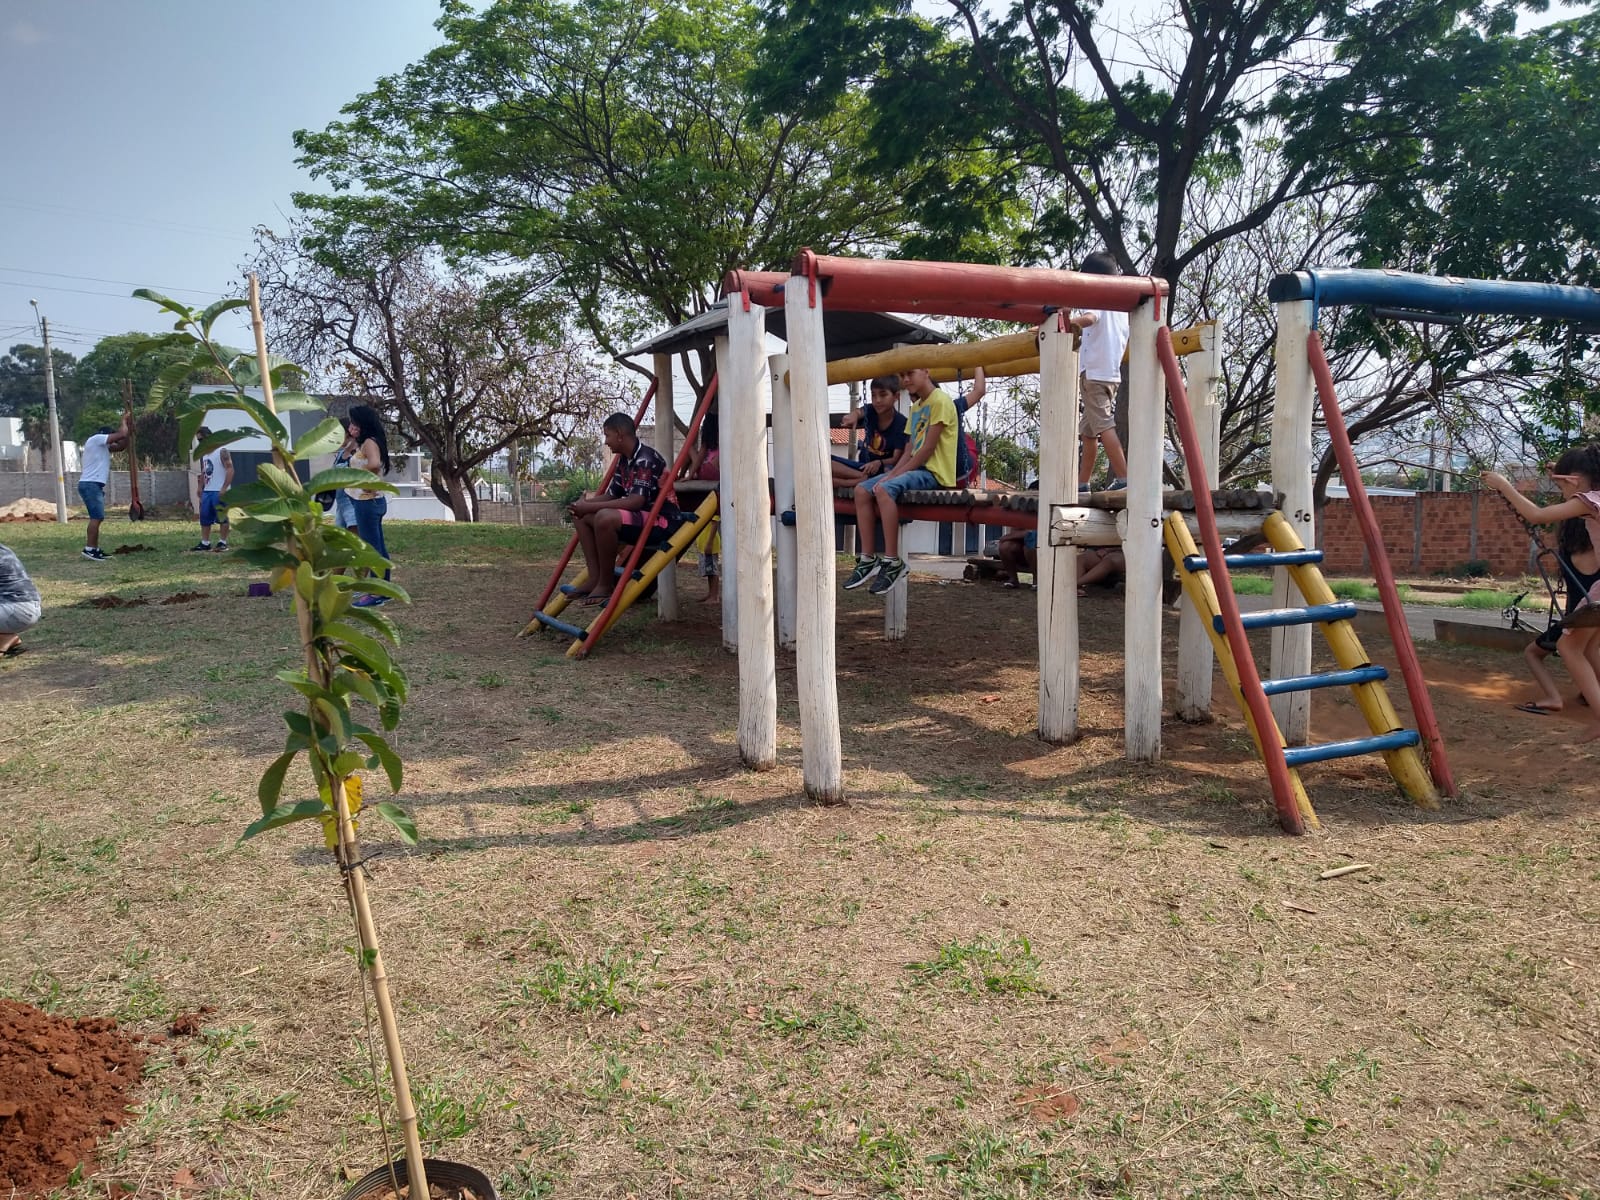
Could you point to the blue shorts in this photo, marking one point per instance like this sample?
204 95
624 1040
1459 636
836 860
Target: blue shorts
1030 540
208 508
894 486
93 496
344 510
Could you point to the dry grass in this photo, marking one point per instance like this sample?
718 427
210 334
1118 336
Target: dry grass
627 967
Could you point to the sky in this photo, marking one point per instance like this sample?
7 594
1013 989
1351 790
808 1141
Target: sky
143 140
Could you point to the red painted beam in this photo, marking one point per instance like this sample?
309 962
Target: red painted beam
1019 294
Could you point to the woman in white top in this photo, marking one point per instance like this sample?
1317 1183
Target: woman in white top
371 454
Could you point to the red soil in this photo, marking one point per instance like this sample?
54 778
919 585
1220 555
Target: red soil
63 1087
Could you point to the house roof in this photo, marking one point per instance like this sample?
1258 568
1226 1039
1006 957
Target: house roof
846 334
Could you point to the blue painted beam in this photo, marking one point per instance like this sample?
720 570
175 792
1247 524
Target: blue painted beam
1306 683
1279 558
1299 756
1275 618
560 626
1438 293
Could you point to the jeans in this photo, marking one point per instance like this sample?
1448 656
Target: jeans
369 523
919 480
93 496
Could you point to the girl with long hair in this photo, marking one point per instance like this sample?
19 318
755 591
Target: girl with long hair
371 453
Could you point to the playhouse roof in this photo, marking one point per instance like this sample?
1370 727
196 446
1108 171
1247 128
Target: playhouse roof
847 334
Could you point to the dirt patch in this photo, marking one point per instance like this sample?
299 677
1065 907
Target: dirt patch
136 548
115 602
28 509
63 1087
1049 1104
190 1023
185 597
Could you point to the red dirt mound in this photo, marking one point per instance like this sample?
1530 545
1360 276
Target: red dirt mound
136 548
185 597
63 1087
115 602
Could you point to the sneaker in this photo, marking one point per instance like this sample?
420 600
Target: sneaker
94 554
863 572
893 568
221 546
1117 485
368 600
200 548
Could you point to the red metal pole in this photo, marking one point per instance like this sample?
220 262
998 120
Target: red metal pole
953 289
1382 572
599 626
767 287
1267 734
572 543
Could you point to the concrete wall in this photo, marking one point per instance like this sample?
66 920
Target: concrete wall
1427 533
157 489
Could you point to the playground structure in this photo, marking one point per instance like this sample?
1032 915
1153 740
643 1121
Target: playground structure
795 606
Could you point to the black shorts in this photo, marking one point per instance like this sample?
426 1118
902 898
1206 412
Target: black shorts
1547 640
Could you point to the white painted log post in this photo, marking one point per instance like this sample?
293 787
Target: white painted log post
894 601
725 526
666 442
783 495
822 762
744 490
1291 475
1057 574
1142 548
1196 662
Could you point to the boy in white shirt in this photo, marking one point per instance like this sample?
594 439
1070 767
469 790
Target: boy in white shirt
1105 337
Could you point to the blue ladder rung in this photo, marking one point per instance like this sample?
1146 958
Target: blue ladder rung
560 626
570 589
1274 618
1284 558
786 517
1299 756
1306 683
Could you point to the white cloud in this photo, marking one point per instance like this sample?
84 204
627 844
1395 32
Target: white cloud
24 33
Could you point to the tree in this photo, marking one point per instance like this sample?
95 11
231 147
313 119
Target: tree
1099 131
99 382
462 366
607 145
1007 459
22 381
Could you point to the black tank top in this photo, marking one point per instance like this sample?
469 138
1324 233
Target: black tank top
1578 583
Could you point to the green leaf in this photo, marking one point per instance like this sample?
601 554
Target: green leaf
376 619
370 652
216 309
285 483
344 477
241 495
347 763
392 766
265 557
379 587
395 815
221 438
166 302
327 437
171 377
303 810
271 785
291 401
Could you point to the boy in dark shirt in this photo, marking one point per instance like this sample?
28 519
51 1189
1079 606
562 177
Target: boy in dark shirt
618 516
885 437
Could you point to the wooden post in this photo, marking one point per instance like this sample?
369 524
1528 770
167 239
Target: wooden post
725 526
1196 662
783 496
822 763
665 442
1142 576
745 494
894 600
1291 475
1057 573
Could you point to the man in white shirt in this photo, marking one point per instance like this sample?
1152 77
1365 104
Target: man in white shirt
97 452
215 477
1105 337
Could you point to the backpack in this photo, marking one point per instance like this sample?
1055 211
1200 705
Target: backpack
966 459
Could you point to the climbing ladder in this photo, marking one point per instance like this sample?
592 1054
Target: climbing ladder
1207 583
642 576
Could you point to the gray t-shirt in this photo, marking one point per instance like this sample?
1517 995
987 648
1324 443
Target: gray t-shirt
15 586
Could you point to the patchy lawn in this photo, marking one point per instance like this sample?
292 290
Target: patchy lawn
627 967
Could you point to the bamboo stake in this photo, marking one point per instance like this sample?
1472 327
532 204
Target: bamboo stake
355 880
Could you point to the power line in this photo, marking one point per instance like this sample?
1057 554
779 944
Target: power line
53 287
165 287
164 226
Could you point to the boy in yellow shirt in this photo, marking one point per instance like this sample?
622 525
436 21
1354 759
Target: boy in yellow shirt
928 462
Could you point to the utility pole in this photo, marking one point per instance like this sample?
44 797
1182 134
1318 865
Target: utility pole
55 423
